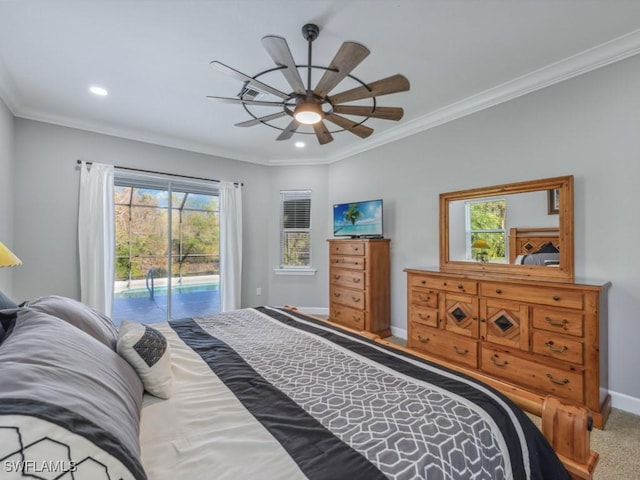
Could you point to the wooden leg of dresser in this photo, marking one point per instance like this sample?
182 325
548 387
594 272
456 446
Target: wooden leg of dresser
600 418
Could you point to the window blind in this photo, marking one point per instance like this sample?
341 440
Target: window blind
295 228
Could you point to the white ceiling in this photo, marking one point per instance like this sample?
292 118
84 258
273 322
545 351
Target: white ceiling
153 56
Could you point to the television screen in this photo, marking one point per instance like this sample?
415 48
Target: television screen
358 219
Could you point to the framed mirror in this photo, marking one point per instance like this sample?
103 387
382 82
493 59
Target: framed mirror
520 229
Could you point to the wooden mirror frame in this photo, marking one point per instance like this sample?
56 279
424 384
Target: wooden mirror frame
564 272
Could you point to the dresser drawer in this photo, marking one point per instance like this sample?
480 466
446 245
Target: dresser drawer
424 315
532 374
348 297
533 294
560 321
558 346
348 278
447 284
426 298
356 263
347 248
450 347
349 317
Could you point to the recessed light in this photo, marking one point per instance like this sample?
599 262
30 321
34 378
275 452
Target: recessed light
300 144
98 91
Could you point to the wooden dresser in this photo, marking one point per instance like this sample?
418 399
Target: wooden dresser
359 284
541 337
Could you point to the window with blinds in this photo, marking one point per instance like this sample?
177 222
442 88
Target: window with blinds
295 229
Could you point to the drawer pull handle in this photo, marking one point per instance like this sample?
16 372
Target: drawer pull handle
355 249
337 277
556 324
460 351
557 382
355 299
550 346
423 282
356 319
423 298
461 287
356 280
498 291
498 364
423 317
556 298
336 294
423 339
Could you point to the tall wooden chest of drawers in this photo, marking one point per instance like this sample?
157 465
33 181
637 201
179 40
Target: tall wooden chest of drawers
539 336
359 284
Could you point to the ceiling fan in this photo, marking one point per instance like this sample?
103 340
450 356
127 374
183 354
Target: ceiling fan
313 106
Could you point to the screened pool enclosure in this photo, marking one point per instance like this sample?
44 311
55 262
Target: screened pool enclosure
167 257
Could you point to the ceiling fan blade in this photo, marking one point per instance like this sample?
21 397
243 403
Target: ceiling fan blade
247 102
348 57
322 132
256 121
257 84
393 84
288 132
279 51
353 127
385 113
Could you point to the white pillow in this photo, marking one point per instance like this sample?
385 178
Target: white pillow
147 351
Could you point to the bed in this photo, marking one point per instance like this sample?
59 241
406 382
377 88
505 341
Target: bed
534 246
265 393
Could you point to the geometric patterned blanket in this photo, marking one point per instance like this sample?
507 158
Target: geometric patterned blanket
343 406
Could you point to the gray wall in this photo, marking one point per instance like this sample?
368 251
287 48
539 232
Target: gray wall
301 290
587 127
6 194
46 201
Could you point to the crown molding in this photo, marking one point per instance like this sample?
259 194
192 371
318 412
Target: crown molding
604 54
7 89
139 136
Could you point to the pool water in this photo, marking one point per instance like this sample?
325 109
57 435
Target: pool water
162 290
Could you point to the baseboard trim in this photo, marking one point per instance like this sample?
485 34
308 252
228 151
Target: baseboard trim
399 332
625 402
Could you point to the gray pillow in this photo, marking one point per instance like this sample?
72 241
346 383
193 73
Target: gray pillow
6 302
79 315
53 371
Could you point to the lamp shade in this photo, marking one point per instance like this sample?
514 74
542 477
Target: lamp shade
480 243
7 258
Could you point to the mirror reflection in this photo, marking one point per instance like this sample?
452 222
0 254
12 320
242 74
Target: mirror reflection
480 228
522 229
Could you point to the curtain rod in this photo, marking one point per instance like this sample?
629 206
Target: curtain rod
164 173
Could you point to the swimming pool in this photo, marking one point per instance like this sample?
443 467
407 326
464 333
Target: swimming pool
162 290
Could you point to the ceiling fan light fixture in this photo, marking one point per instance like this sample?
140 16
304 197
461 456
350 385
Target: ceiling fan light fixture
308 113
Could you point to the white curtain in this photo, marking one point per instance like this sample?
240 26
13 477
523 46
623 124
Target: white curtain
230 246
96 236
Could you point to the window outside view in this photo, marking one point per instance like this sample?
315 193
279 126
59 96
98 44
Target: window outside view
152 282
487 221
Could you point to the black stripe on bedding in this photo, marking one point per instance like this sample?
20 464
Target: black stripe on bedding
76 424
318 453
538 447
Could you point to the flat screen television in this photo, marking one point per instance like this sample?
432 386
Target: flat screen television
358 219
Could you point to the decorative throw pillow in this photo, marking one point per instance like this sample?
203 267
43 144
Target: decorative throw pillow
87 319
548 248
147 351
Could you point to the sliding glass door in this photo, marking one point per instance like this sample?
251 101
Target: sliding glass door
167 259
